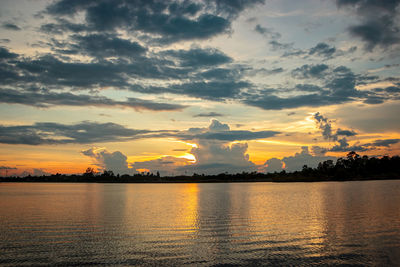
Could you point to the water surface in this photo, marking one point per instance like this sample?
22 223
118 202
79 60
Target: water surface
352 223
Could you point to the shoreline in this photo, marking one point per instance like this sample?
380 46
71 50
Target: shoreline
172 181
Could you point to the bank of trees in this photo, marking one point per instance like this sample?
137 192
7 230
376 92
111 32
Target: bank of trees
352 167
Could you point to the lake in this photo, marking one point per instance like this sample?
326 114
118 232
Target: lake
329 223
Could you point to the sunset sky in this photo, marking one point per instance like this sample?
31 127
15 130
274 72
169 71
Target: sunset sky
196 86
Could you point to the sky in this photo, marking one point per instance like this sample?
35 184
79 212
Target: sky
188 86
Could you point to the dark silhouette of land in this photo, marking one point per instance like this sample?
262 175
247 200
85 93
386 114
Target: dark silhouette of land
352 168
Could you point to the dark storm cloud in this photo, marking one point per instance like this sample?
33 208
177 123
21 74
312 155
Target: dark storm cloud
209 114
379 24
46 99
173 20
10 26
56 133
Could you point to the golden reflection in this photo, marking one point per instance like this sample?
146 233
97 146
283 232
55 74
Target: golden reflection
190 205
276 209
175 206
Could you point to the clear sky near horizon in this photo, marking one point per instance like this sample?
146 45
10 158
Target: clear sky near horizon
196 86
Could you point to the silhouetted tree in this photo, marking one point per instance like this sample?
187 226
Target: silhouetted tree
89 172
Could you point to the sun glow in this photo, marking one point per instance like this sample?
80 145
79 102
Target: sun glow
189 157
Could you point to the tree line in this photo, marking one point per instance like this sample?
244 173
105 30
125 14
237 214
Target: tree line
352 167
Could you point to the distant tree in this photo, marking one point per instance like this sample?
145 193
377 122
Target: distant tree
89 172
108 173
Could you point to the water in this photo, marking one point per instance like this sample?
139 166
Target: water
352 223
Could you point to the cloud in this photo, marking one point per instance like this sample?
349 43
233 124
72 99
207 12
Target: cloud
192 73
263 71
167 165
61 26
385 142
35 172
310 71
209 114
325 126
323 50
345 132
217 126
198 57
379 22
267 32
335 85
211 158
46 133
212 90
7 168
221 132
216 157
115 161
10 26
320 50
45 99
163 21
296 162
342 145
87 132
276 45
269 101
106 45
213 153
6 54
273 165
236 135
220 74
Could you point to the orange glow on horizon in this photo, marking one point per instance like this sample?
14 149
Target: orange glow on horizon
142 170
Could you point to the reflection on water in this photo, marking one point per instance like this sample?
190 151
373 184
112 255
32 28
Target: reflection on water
356 223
